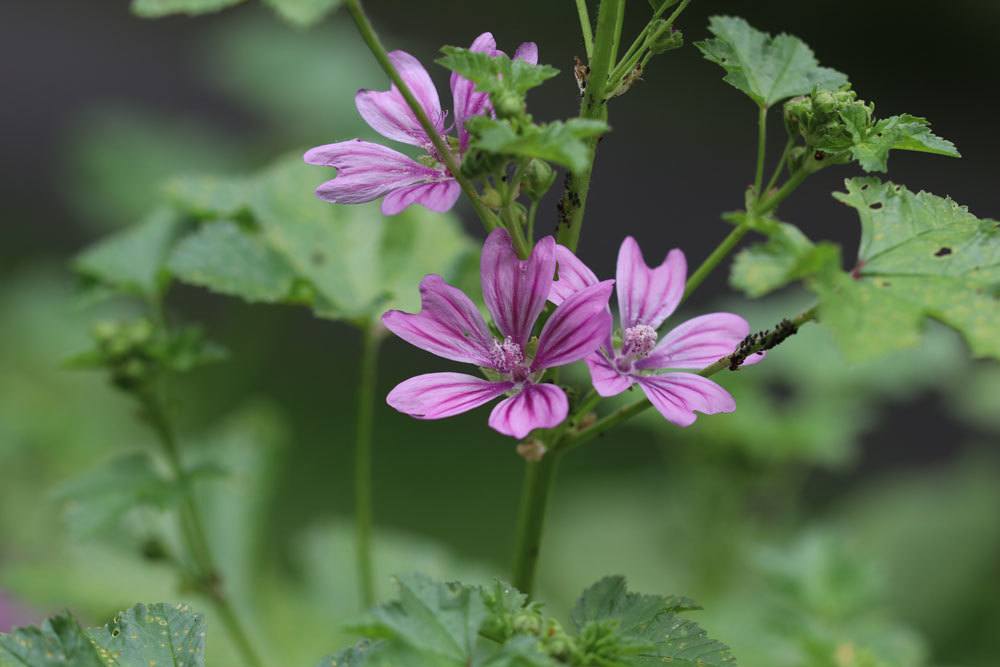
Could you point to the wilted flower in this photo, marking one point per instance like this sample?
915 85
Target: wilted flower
515 291
647 297
367 171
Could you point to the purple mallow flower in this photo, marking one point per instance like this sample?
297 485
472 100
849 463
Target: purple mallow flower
13 615
367 171
515 291
647 297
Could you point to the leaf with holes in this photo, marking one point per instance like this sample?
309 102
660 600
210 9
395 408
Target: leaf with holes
650 620
921 256
768 69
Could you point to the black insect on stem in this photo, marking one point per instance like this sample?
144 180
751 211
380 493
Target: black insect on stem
758 342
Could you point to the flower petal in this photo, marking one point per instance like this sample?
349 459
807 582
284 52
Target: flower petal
439 395
573 275
699 342
607 380
515 290
387 111
678 395
535 406
528 52
439 196
578 326
467 101
366 171
448 324
648 296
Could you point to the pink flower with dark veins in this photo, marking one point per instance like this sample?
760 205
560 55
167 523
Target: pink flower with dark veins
515 291
367 171
647 297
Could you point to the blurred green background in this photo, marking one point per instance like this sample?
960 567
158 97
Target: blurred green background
842 516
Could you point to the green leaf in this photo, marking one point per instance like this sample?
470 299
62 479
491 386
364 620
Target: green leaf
768 69
209 196
921 256
651 620
441 620
787 256
132 260
98 500
496 74
60 641
355 656
871 145
159 634
522 651
226 258
559 142
158 8
303 13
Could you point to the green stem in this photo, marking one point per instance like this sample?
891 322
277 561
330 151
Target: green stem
532 214
781 165
770 203
193 528
368 375
713 260
574 439
758 179
592 107
538 479
588 35
635 52
371 38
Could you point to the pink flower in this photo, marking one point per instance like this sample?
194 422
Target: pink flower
647 297
13 615
450 325
367 171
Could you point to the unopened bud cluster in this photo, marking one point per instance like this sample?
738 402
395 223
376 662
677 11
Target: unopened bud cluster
126 350
827 121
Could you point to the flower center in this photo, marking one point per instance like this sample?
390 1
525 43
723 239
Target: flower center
638 341
507 357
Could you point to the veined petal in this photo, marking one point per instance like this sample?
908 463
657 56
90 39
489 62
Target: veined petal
699 342
366 171
515 290
439 395
439 196
648 296
448 324
607 379
678 395
573 275
577 327
535 406
467 101
387 111
528 52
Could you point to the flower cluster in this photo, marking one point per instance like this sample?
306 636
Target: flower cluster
368 171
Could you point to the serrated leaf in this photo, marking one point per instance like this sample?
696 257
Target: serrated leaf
97 500
226 258
60 641
209 196
158 8
652 620
560 142
496 74
768 69
132 260
871 145
303 13
158 634
441 620
921 256
355 656
788 255
522 651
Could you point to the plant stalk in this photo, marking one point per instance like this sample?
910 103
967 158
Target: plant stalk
758 179
363 502
585 28
374 44
538 478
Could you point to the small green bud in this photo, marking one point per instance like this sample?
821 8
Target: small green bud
527 623
509 105
538 178
664 38
491 198
477 163
105 331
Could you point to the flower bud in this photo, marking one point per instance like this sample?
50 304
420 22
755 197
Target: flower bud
491 198
538 178
477 163
508 105
527 623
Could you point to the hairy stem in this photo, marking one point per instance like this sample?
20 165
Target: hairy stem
363 463
374 44
574 439
592 107
758 179
585 28
538 478
193 528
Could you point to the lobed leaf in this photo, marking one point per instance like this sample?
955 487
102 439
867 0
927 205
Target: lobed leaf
871 145
768 69
498 74
787 256
921 256
560 142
